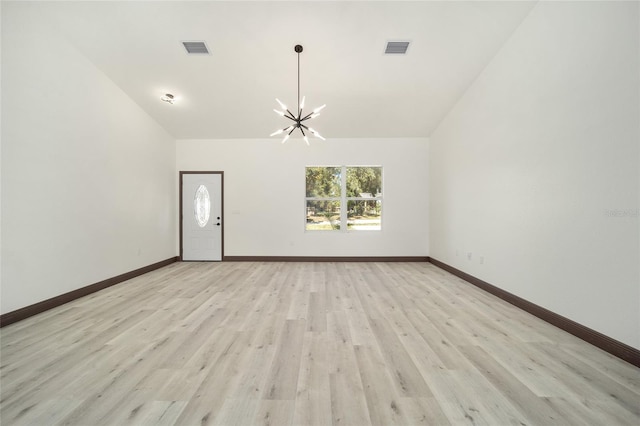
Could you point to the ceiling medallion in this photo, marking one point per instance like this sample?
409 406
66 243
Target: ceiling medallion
297 119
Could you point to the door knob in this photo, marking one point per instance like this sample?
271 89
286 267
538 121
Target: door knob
218 224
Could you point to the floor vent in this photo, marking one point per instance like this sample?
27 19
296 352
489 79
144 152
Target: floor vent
195 47
396 48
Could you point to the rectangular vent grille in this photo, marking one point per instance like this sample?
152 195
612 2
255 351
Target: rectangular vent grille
396 48
195 47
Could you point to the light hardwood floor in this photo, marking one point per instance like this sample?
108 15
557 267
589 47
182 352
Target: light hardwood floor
243 343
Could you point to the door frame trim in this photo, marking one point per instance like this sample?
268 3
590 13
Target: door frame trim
221 173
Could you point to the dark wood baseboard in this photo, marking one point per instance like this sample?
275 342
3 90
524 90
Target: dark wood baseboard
325 258
606 343
31 310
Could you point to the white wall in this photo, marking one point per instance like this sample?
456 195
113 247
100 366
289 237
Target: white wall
264 189
88 179
536 168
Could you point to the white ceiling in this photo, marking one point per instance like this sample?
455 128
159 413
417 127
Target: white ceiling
230 93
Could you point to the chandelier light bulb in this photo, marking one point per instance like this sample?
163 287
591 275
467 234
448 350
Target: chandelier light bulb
317 110
306 139
277 132
279 112
302 103
285 138
283 106
316 134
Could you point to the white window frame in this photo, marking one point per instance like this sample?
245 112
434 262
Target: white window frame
344 201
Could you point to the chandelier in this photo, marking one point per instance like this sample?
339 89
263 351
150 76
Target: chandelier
297 119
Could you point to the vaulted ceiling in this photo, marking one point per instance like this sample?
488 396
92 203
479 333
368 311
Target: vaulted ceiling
231 92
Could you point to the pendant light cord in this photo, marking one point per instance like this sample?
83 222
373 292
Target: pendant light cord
298 84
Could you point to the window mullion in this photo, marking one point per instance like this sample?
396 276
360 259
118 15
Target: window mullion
343 200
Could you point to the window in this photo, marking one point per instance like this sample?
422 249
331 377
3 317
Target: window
343 198
202 206
364 198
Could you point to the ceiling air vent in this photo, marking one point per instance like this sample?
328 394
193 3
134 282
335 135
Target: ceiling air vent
396 48
195 47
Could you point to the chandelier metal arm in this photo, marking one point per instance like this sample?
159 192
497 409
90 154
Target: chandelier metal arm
290 116
308 116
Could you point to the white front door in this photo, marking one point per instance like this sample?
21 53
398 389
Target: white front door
201 216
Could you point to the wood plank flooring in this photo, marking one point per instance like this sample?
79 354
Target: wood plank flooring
269 343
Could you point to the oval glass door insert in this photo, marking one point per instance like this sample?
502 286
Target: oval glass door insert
202 206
